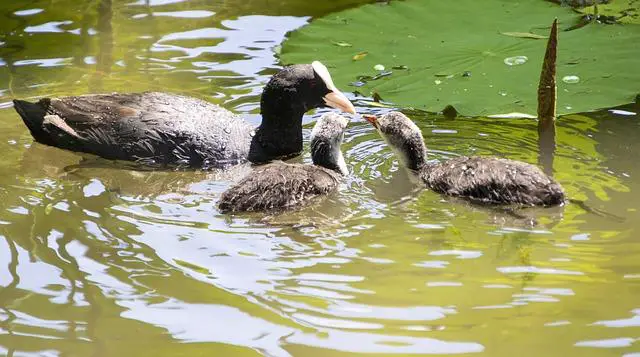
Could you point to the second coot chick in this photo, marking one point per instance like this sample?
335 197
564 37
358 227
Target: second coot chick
481 179
280 186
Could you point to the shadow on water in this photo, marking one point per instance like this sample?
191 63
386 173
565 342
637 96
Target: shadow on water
103 259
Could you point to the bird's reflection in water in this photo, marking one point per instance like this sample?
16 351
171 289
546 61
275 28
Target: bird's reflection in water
125 178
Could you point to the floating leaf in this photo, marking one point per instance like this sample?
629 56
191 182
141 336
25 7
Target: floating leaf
524 35
360 56
427 37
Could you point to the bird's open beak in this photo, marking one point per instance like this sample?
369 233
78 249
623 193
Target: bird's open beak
372 119
335 99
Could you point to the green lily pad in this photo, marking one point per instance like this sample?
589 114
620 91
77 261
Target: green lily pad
456 54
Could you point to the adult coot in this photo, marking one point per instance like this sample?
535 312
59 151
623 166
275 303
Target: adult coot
279 185
165 129
481 179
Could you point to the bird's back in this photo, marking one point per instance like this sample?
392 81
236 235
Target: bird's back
493 180
151 127
278 186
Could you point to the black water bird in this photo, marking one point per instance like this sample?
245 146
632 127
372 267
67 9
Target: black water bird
489 180
280 186
157 128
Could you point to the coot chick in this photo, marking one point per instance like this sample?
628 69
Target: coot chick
280 186
168 129
488 180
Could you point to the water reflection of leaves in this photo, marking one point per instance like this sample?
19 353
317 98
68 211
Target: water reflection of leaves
107 48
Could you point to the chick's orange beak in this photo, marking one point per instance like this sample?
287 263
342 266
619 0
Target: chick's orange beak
372 119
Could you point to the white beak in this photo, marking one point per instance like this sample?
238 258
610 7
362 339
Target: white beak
337 100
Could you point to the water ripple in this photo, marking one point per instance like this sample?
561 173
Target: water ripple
92 251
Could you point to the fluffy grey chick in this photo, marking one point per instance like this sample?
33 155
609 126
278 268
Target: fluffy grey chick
281 186
489 180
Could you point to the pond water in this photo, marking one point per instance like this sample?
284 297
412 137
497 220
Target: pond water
102 259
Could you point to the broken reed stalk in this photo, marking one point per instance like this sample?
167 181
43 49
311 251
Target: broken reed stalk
547 96
547 91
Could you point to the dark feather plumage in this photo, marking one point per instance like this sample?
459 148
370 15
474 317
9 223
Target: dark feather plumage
168 129
152 127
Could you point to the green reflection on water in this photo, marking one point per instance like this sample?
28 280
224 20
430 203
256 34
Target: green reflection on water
99 259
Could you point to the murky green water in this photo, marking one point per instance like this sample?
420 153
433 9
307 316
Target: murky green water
100 260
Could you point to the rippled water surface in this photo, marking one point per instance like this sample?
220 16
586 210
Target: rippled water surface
99 259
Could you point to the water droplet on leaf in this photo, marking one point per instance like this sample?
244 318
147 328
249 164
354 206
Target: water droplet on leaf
515 60
571 79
